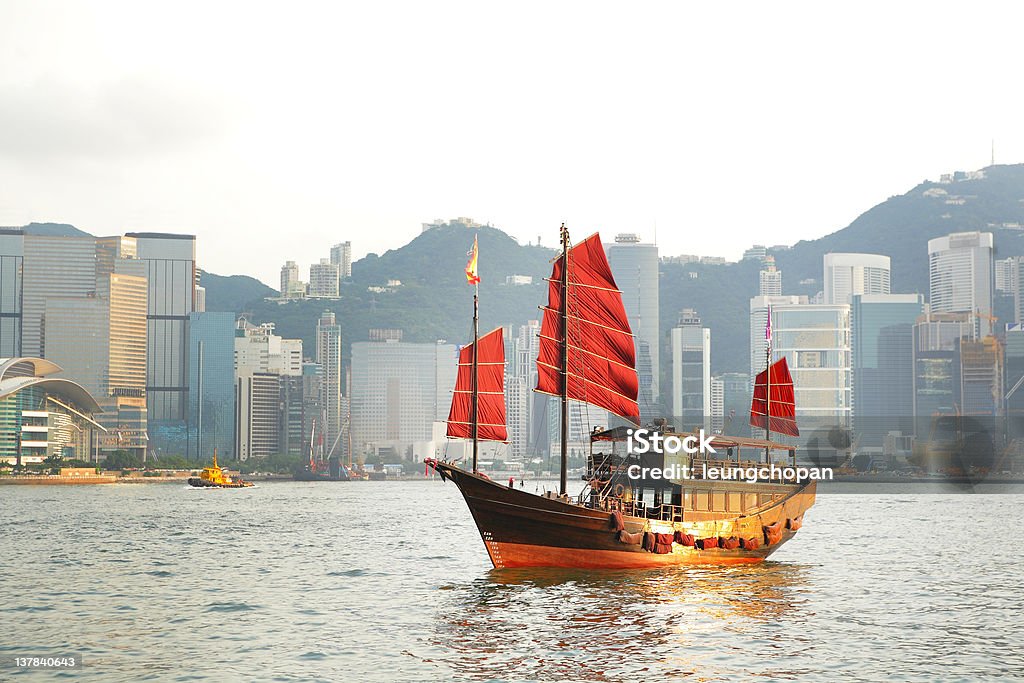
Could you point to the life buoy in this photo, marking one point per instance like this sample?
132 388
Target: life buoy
619 490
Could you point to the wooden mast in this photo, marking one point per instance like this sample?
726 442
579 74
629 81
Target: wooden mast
768 387
474 425
564 314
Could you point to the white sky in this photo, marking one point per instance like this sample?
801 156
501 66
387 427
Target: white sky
273 130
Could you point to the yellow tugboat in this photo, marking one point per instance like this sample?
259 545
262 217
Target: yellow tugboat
217 477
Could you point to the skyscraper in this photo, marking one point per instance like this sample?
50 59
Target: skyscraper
960 276
815 340
100 342
691 373
289 276
770 283
399 390
170 262
54 266
635 268
323 280
522 404
328 357
936 371
212 381
848 274
12 258
341 256
881 340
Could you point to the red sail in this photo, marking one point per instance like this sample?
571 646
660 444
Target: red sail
601 358
490 391
783 403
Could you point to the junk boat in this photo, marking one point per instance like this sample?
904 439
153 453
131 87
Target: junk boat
619 521
217 477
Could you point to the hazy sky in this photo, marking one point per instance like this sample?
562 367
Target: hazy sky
273 130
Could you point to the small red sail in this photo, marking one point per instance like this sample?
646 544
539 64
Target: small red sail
601 357
783 403
490 391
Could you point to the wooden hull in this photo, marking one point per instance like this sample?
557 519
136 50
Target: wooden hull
520 529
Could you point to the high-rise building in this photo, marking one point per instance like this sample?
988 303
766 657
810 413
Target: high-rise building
936 372
323 280
881 340
170 262
263 362
635 268
100 342
328 357
815 340
341 256
1014 384
848 274
770 283
522 405
1006 274
289 276
212 380
12 258
399 390
691 373
758 317
717 405
981 379
960 276
735 401
54 266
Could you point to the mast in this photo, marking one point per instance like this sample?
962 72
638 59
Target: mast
474 422
564 352
768 387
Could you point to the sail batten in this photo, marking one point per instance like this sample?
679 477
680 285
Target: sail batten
782 406
491 424
601 362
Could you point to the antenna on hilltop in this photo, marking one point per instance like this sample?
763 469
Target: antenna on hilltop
993 152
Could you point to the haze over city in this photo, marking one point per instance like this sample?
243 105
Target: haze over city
707 128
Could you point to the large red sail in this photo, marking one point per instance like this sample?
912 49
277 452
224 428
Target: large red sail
783 404
601 358
490 391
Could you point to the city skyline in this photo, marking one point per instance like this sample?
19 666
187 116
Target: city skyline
112 127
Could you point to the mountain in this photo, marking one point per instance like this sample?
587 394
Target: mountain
434 302
232 293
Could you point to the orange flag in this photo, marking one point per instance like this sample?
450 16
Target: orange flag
472 276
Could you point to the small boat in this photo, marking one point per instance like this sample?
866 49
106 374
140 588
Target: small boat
217 477
618 520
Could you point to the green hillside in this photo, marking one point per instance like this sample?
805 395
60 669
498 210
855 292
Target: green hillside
435 303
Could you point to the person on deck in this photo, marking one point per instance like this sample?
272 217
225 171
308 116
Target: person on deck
511 482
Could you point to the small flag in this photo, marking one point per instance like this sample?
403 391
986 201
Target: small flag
768 326
472 276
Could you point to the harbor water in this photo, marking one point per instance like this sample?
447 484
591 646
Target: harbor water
388 581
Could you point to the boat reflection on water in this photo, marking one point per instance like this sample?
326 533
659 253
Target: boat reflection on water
613 624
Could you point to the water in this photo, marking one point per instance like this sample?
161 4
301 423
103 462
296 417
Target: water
385 581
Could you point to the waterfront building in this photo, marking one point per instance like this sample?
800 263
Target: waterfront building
323 280
936 373
43 416
256 402
960 276
12 259
100 342
170 263
736 397
399 390
54 266
758 317
691 373
634 265
849 274
770 279
1014 384
881 340
328 357
212 379
815 340
341 256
